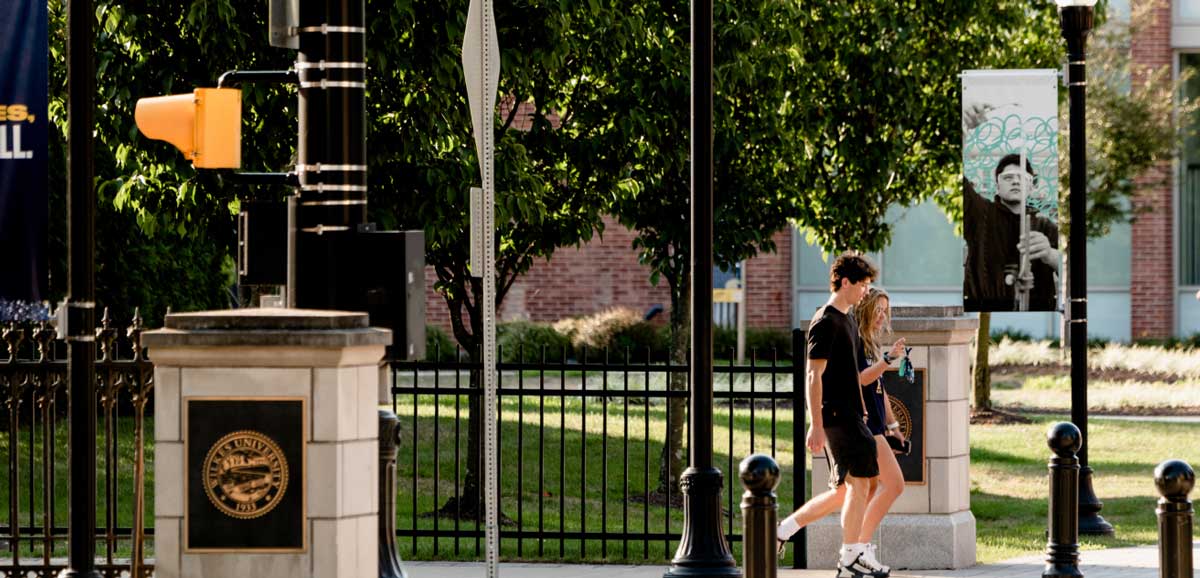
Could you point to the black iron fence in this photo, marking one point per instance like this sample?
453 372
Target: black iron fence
582 447
33 444
581 450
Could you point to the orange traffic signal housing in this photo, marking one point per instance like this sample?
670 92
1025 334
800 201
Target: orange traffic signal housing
206 125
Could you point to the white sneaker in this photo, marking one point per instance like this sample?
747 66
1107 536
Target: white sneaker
864 566
872 551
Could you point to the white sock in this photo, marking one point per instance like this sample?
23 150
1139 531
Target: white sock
787 528
850 552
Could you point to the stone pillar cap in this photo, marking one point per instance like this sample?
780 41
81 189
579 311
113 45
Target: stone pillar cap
267 326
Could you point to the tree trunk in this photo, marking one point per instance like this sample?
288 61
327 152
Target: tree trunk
982 374
672 461
468 504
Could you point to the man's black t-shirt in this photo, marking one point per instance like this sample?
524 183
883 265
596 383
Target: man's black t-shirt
832 336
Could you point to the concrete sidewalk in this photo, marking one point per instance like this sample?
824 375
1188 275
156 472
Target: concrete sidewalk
1140 562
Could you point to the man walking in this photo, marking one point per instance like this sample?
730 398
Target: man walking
839 413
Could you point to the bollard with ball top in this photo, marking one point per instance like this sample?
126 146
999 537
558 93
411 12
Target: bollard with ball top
1062 547
1174 479
760 476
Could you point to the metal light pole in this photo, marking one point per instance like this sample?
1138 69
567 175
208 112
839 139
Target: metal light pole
702 549
1076 19
331 151
80 305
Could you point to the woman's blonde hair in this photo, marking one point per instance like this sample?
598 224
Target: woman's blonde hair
865 314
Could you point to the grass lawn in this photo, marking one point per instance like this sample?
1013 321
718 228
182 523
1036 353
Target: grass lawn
1009 483
31 495
592 489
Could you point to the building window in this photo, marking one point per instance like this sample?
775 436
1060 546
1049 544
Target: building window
1187 9
1189 182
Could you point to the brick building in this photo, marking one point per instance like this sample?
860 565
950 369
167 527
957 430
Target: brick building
605 273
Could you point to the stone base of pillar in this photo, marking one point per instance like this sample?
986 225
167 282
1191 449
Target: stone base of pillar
906 541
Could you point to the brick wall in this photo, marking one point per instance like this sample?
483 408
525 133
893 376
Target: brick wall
769 286
1152 283
605 273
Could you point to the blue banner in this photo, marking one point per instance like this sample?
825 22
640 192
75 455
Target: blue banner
24 205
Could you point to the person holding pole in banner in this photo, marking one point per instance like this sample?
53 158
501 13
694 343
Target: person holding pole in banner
1011 249
1010 190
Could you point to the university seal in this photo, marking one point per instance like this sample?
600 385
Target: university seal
245 474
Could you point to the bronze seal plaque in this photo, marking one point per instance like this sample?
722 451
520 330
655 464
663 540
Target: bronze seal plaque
244 474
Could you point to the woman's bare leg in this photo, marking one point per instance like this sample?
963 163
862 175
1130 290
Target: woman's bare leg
891 484
819 506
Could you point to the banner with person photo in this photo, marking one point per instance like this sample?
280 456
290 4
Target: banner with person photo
1010 190
24 205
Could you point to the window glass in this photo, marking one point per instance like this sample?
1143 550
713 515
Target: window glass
924 250
1188 9
1108 259
813 265
1189 182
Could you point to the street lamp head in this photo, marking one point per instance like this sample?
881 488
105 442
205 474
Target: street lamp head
1076 17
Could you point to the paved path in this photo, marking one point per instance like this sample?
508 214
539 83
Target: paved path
1140 562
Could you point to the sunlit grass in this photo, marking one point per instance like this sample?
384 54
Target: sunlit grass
1009 481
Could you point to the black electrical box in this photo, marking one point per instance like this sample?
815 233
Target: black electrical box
262 243
380 272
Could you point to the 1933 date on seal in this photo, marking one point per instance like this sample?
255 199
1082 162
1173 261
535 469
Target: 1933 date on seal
245 474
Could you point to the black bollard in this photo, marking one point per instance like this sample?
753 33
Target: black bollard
760 476
1175 479
1062 548
389 438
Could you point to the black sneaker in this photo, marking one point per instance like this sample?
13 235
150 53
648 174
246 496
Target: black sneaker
862 568
780 548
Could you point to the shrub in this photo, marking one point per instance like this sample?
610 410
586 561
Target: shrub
768 341
765 340
724 342
438 344
597 331
1012 335
516 337
639 340
615 330
1184 343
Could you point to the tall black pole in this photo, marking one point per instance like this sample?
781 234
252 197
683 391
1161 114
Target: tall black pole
702 549
81 307
331 151
1076 25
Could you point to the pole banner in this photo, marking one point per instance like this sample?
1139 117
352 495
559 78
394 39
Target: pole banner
1010 190
24 205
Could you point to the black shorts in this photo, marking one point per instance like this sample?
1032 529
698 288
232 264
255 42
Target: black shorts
851 451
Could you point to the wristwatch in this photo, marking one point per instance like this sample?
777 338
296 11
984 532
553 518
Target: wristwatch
887 358
893 426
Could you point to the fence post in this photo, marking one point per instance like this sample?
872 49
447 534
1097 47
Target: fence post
760 476
1174 479
799 427
1062 548
389 440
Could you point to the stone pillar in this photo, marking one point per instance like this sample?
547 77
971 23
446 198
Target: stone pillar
266 444
930 526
